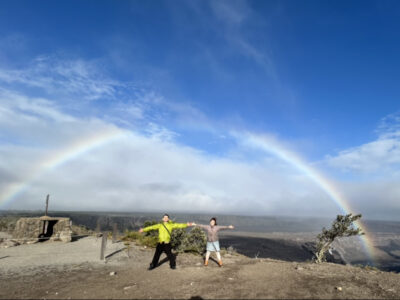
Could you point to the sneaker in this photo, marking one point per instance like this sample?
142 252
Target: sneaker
151 267
173 267
206 263
220 263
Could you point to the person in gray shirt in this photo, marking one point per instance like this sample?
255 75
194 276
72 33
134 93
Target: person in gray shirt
212 239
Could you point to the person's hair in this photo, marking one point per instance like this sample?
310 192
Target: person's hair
166 215
215 220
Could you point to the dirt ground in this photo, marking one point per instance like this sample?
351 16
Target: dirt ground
53 270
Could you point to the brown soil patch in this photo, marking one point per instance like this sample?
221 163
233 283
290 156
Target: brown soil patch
240 277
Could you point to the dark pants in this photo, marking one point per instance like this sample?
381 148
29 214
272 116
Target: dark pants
163 247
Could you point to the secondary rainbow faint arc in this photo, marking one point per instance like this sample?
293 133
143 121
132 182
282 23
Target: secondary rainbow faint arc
271 146
72 151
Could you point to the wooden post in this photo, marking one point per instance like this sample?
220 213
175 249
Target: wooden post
103 245
47 204
115 233
98 226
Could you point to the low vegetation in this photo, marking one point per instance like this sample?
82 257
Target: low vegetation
193 241
140 239
230 250
81 230
7 223
367 267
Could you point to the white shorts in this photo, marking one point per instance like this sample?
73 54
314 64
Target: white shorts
213 246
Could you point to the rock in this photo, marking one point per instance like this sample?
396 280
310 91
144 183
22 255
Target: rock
339 288
32 242
230 278
299 268
113 273
198 264
129 287
9 243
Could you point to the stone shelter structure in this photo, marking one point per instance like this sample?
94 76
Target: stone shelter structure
43 228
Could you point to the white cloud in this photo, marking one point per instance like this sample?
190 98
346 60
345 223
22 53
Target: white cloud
377 199
138 172
390 126
381 156
372 171
62 77
148 169
83 88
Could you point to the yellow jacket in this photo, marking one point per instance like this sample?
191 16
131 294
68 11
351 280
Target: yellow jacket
163 235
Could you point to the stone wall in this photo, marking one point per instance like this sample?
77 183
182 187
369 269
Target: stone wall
58 229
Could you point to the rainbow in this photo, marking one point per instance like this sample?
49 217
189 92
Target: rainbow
79 147
266 143
269 144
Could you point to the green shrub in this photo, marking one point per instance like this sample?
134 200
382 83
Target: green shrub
140 239
149 241
131 236
177 237
195 241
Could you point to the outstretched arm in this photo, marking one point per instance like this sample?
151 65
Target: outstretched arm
148 228
201 226
180 225
225 227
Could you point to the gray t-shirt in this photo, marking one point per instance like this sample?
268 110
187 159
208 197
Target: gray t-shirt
212 231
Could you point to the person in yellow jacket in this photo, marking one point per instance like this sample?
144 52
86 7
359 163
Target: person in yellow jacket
164 237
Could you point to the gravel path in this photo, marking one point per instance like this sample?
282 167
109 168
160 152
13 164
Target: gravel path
29 259
74 271
5 235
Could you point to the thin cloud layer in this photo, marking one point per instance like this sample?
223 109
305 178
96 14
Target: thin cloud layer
141 172
369 174
72 77
149 167
381 156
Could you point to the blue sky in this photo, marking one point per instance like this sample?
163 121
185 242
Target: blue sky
320 78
